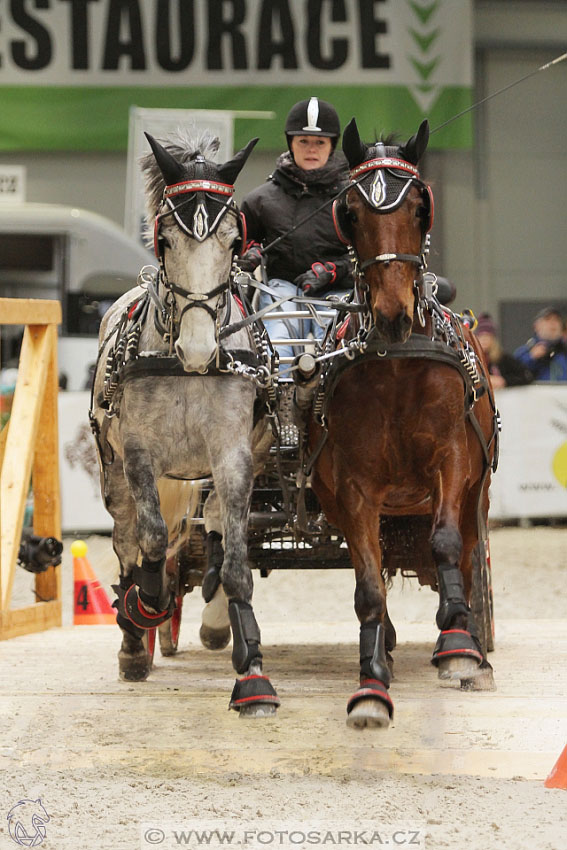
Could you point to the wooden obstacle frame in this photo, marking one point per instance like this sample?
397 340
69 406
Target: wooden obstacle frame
29 449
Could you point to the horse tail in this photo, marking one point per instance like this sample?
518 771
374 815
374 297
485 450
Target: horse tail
179 503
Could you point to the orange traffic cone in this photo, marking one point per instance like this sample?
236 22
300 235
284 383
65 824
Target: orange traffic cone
558 776
91 606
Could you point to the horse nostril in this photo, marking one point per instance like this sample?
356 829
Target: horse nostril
179 352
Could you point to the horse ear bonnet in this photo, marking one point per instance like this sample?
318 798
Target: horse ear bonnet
353 147
229 171
198 210
386 187
172 170
414 149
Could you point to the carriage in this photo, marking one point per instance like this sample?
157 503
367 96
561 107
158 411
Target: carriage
298 478
288 530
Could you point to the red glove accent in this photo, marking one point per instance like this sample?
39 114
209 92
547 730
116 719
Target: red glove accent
320 268
251 257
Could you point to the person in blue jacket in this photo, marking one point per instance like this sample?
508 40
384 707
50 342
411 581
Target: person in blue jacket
545 353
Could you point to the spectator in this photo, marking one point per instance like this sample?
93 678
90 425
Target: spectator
545 354
504 370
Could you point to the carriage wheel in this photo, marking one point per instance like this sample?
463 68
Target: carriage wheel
169 631
482 604
149 642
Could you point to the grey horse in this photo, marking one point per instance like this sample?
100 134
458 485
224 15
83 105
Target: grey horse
166 404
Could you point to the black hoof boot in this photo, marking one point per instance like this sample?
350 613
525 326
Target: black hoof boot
254 696
129 605
371 706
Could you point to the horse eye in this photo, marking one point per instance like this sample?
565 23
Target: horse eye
352 216
165 241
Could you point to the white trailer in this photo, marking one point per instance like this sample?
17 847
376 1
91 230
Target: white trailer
78 257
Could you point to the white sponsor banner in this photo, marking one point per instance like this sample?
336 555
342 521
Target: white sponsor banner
82 508
236 42
531 479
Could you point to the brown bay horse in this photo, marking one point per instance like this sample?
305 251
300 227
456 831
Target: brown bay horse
408 424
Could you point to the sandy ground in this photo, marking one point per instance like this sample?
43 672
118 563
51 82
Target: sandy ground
461 769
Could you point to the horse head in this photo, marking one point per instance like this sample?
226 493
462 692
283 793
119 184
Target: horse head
387 214
196 230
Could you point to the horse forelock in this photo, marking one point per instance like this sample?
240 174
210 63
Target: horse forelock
389 149
185 146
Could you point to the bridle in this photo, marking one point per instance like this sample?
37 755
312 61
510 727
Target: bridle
377 193
384 183
198 215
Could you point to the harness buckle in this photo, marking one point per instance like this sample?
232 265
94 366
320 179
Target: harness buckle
146 276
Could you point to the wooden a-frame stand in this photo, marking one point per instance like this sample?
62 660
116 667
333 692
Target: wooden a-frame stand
29 448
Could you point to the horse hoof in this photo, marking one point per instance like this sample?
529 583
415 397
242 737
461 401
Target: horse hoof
134 668
167 647
168 632
453 671
214 638
483 680
368 714
260 709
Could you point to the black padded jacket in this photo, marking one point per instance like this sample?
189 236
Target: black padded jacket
289 195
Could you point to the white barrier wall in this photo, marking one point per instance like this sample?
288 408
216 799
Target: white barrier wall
531 480
82 509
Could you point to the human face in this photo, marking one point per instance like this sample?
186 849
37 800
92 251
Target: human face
311 152
549 327
486 341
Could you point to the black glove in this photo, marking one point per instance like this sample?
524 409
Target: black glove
251 257
317 277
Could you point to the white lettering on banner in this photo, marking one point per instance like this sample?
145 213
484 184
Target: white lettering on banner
424 43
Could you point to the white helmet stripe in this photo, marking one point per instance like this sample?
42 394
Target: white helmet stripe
312 115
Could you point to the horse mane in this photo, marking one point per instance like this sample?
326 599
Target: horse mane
184 145
392 139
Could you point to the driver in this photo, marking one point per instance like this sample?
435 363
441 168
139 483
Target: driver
311 260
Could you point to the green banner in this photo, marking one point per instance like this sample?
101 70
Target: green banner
70 71
96 119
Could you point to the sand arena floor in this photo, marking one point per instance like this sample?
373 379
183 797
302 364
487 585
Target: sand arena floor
463 769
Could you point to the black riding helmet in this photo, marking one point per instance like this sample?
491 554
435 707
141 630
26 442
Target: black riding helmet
313 117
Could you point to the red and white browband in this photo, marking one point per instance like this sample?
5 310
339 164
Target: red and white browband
384 162
198 186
